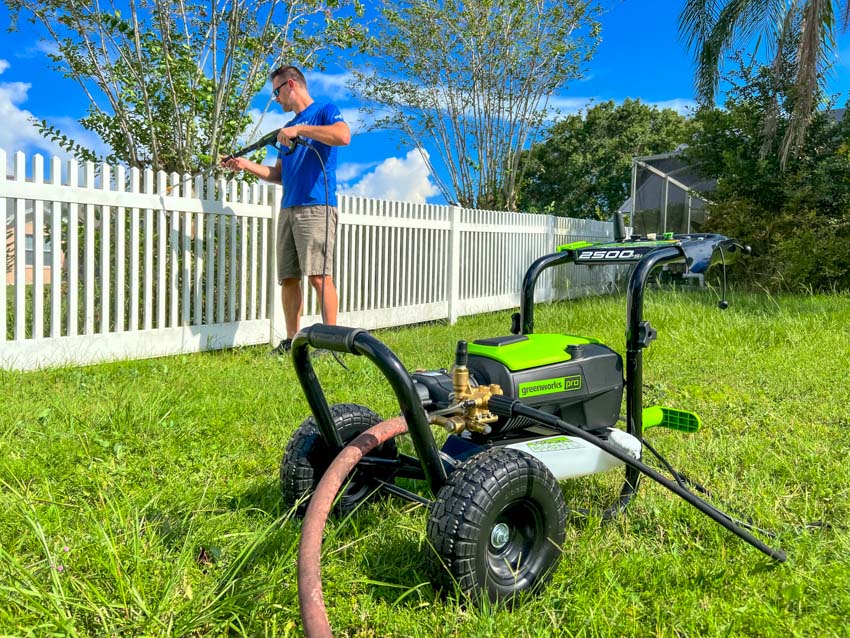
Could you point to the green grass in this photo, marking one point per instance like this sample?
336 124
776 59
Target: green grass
141 498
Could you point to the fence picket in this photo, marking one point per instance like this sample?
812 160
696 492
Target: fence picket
200 249
73 253
20 253
186 276
264 270
233 280
252 308
89 241
243 267
105 245
120 251
173 255
133 322
210 256
38 253
160 231
148 253
220 244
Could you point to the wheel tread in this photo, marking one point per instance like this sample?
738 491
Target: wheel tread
305 458
463 503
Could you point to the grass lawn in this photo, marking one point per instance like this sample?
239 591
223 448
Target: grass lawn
141 498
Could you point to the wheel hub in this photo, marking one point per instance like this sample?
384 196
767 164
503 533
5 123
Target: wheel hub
500 535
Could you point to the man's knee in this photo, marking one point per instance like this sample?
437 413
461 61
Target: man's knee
318 280
290 282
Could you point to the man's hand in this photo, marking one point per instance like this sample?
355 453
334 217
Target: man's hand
234 163
286 135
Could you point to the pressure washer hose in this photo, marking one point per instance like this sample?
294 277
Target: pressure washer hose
310 597
509 407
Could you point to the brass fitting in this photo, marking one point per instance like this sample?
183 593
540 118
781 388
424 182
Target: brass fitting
474 414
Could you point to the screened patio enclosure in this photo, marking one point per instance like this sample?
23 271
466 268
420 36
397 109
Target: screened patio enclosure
667 195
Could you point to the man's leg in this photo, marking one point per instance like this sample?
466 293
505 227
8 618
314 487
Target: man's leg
330 304
290 293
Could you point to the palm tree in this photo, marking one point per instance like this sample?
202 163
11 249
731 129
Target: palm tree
713 29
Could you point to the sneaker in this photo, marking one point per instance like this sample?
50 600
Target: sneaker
282 348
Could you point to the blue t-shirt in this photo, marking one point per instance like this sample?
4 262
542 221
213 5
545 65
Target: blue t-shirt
301 172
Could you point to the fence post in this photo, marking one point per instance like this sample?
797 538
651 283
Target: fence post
277 325
453 292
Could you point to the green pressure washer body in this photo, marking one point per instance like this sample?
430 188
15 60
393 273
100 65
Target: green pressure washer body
523 411
576 378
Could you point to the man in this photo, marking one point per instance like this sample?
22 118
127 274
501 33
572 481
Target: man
307 228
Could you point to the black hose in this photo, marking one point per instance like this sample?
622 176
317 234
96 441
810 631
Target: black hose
505 406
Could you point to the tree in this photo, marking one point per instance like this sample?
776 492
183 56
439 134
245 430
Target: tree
170 82
583 168
797 220
801 33
473 80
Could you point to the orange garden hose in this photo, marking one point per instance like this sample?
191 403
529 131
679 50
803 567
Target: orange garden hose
310 597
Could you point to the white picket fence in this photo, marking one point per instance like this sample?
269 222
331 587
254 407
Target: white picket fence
142 264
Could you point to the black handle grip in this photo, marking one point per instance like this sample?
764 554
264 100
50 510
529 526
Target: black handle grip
336 338
269 139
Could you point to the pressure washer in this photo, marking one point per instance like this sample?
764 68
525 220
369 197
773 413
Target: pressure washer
523 411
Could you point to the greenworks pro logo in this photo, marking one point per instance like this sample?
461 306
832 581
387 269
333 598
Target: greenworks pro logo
550 386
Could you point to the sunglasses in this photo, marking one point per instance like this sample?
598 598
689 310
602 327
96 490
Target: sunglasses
277 91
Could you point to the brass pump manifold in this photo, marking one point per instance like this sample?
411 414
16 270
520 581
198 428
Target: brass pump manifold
473 413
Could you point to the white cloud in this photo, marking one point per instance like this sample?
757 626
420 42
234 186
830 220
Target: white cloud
357 120
19 134
40 48
352 170
396 178
329 85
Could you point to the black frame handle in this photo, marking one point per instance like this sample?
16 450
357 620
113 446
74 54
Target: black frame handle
357 341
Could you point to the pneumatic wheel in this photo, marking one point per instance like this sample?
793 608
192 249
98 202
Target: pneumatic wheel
307 457
497 526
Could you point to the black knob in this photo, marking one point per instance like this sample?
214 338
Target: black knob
723 305
461 353
515 324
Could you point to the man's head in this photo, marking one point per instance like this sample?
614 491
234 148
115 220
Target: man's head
289 88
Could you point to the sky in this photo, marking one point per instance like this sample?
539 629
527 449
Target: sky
640 57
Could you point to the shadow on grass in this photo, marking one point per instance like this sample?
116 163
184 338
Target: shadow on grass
262 498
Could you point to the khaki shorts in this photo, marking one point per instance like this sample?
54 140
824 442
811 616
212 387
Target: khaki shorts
301 246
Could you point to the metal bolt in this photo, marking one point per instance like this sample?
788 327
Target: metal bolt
500 535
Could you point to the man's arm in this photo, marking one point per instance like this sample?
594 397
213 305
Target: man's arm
263 171
336 134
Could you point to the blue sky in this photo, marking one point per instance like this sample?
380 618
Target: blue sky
640 56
